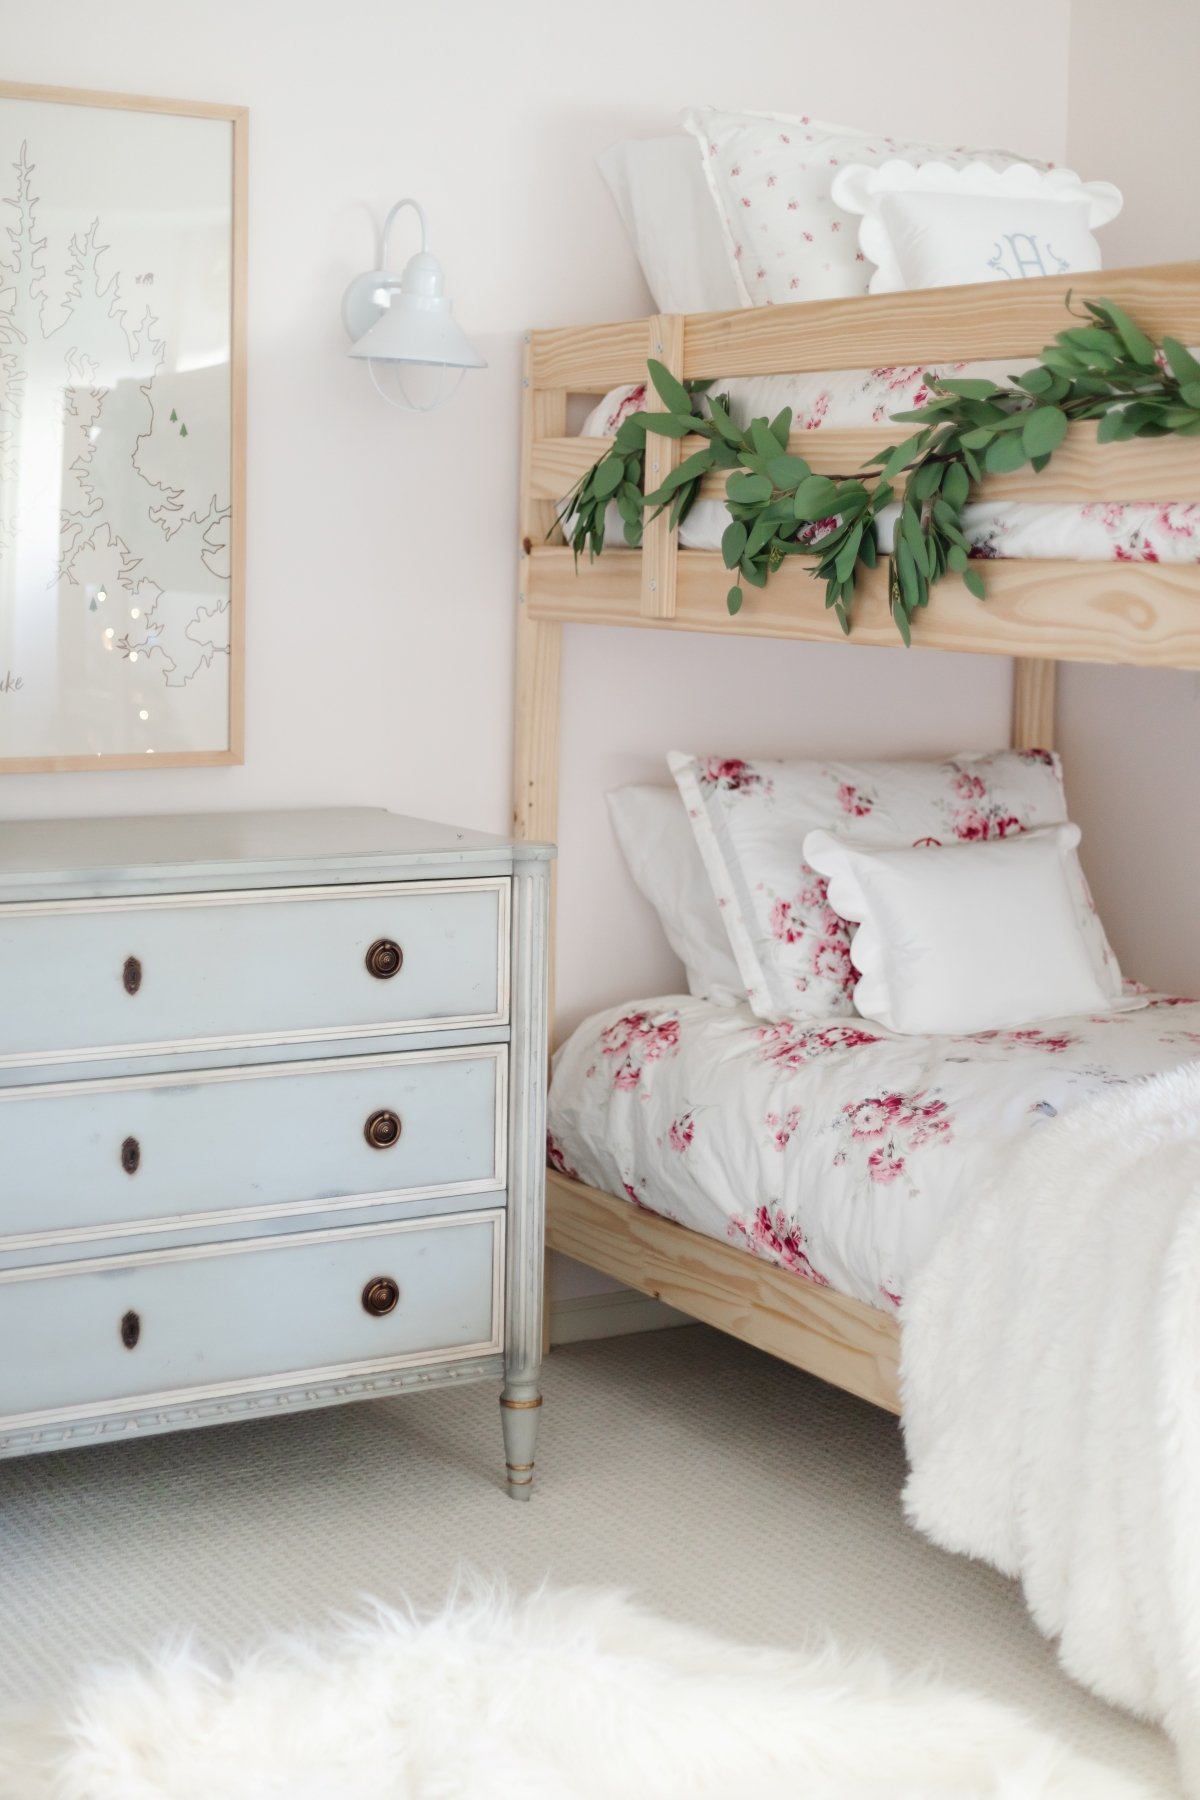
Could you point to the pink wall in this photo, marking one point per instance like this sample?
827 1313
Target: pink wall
1132 738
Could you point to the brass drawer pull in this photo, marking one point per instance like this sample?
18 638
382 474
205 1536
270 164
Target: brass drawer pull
131 975
381 1296
385 958
131 1330
382 1130
131 1156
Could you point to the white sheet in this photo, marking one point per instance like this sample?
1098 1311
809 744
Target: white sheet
1109 531
837 1150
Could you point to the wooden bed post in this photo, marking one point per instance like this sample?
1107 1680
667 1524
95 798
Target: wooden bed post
660 545
537 684
1034 684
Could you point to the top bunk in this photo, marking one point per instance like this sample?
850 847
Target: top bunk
1141 613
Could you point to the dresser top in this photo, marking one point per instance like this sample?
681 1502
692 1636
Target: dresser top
240 849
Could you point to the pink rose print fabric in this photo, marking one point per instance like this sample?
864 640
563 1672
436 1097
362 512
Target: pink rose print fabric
837 1152
793 951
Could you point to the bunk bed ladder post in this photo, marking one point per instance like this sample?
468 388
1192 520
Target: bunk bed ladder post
1034 685
660 545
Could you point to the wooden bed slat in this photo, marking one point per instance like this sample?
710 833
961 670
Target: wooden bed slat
1155 469
660 545
1035 684
1144 614
933 325
856 1347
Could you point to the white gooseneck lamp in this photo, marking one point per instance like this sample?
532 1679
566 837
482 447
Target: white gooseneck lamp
404 321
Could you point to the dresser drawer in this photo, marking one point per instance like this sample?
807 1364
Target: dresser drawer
96 1158
235 1317
287 965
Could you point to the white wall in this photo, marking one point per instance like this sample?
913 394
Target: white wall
380 547
1131 738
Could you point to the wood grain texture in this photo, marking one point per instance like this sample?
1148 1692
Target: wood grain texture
589 359
1082 471
1145 614
934 325
1035 681
660 544
238 118
854 1346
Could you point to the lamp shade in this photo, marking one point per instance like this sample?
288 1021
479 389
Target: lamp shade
416 324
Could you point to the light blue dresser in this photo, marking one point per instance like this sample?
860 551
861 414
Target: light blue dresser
272 1120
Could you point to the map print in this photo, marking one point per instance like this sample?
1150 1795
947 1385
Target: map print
115 425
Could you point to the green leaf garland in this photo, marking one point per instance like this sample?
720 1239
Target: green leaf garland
1105 368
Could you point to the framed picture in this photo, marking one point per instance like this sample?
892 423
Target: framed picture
122 430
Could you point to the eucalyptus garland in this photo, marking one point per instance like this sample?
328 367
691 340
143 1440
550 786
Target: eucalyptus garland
1104 368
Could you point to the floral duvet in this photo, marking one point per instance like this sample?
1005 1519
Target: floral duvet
837 1149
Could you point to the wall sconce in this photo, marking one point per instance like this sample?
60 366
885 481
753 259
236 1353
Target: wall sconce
406 320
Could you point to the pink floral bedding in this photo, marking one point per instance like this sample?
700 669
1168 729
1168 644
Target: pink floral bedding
1111 531
835 1148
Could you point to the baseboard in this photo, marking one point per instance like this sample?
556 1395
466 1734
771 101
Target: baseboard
616 1313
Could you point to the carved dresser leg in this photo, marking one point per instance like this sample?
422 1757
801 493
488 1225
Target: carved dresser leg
520 1410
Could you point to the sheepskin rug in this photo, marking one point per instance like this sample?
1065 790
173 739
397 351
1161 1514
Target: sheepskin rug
561 1696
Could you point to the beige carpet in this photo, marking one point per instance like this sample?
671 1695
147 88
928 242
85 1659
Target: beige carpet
720 1487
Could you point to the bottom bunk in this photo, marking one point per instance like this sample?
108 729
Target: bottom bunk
784 1182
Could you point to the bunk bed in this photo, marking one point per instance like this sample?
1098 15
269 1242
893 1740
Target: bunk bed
1038 613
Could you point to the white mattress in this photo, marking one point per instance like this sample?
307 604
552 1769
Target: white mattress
837 1150
1111 531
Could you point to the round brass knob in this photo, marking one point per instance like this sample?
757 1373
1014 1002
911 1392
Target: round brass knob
382 1130
384 959
381 1295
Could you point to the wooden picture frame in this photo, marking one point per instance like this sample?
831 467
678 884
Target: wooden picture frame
61 264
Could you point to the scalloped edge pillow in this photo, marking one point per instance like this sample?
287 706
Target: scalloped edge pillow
965 937
932 225
770 176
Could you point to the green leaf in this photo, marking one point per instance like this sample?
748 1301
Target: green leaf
631 434
979 439
974 584
748 490
926 481
787 472
672 425
733 600
761 533
1044 430
781 427
1036 381
816 498
1136 343
1181 362
956 558
955 486
698 463
969 387
1113 427
1004 455
671 392
763 439
608 477
901 455
724 424
755 572
848 554
733 542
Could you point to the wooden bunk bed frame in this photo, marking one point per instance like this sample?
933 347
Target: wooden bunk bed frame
1039 613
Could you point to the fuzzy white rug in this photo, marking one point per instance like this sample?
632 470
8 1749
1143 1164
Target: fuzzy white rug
561 1696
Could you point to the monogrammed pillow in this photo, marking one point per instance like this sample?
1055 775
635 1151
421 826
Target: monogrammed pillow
751 820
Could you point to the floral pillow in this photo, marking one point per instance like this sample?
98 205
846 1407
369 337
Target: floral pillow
770 178
751 820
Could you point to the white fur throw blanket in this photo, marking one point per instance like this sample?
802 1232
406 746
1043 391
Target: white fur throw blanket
567 1696
1051 1389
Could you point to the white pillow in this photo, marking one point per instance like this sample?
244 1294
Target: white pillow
657 843
751 820
771 177
937 226
667 211
963 937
